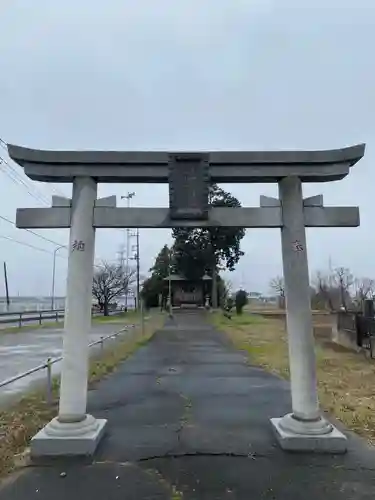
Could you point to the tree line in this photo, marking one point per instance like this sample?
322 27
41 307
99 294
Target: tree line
333 290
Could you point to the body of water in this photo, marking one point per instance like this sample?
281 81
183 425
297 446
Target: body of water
19 304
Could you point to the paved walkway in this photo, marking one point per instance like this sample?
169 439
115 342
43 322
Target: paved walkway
189 419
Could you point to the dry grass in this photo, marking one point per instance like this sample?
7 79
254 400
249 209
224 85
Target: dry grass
20 422
27 327
346 380
130 316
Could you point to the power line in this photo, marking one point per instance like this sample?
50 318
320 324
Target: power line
32 232
35 248
27 244
4 145
12 173
17 177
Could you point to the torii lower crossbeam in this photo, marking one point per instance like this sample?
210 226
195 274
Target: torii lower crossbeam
266 217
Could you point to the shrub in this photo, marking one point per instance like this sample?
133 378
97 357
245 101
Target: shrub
240 301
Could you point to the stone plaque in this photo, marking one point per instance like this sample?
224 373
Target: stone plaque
188 186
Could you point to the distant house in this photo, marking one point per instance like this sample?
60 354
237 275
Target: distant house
258 297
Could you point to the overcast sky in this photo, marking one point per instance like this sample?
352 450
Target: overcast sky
167 74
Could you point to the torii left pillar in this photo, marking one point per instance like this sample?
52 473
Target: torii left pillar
73 432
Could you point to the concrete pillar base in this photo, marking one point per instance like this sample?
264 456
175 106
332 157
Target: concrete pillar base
316 427
317 436
58 439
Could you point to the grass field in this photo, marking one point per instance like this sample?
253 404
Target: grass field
346 379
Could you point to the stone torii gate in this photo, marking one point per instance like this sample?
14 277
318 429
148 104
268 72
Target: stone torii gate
73 432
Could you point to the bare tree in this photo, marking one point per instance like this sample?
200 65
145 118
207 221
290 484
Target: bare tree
323 284
363 289
227 290
110 281
343 280
278 286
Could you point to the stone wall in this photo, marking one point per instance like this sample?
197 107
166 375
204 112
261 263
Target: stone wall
339 328
323 321
345 337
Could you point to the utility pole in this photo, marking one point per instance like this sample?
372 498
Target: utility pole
214 300
127 197
53 275
121 256
330 264
138 293
6 285
330 275
170 284
137 259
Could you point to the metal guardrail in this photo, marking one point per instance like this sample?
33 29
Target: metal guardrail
51 361
28 316
32 311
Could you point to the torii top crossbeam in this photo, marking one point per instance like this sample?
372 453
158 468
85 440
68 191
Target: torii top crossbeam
223 166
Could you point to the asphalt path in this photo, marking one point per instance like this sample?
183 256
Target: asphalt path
188 418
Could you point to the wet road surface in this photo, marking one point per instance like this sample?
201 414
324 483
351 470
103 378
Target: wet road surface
24 350
188 418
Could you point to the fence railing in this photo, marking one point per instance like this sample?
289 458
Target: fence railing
39 316
362 327
27 316
51 361
366 333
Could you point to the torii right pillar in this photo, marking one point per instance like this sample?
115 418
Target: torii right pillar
304 429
